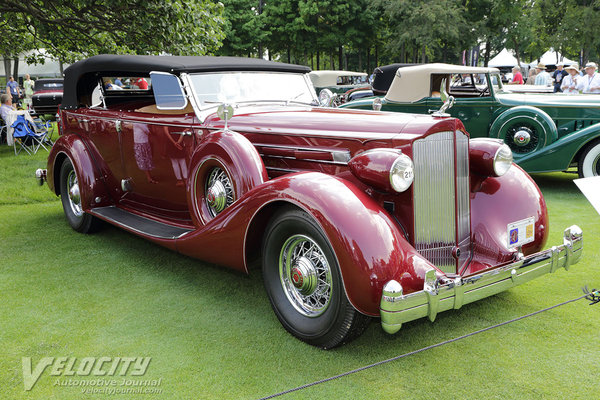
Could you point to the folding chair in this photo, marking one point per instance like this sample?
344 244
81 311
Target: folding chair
27 138
43 125
3 131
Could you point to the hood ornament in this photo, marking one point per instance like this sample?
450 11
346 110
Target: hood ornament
448 101
225 112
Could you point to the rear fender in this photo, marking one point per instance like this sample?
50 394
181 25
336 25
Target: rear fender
369 247
93 188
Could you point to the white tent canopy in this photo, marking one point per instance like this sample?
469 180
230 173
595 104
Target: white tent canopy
50 68
552 57
505 59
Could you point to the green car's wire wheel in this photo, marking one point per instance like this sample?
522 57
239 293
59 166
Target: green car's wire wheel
522 138
524 129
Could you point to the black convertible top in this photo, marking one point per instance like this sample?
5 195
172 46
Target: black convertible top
82 77
383 77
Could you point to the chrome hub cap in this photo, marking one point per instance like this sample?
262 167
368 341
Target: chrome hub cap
74 195
522 137
219 191
305 275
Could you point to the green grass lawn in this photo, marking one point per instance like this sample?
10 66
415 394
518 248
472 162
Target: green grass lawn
211 332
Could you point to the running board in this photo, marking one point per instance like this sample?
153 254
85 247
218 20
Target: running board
138 223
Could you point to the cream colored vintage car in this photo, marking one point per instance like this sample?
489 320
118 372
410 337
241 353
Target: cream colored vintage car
338 81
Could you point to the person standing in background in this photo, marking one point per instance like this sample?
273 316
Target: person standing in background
542 78
12 88
571 84
591 79
28 85
558 76
517 76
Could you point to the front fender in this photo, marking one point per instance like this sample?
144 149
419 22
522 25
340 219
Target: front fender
496 202
88 174
369 248
560 154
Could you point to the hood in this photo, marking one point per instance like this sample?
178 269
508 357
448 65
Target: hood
363 125
550 99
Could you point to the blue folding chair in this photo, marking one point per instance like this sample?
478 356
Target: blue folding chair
27 137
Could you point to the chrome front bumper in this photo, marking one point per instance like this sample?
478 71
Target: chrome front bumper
436 297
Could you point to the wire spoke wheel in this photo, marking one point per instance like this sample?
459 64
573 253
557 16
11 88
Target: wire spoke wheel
522 138
303 280
219 191
305 275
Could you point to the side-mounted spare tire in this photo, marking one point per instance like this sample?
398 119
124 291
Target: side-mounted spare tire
304 283
226 165
524 129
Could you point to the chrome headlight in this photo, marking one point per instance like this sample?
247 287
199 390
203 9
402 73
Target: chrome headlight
502 160
402 173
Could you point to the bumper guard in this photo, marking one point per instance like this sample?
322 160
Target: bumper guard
396 308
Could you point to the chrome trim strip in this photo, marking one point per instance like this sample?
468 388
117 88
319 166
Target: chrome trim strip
341 155
452 294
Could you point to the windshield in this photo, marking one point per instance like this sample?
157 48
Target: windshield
239 87
497 82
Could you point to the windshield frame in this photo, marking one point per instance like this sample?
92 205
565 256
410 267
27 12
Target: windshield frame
203 110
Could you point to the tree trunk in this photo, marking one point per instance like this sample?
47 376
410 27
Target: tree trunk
424 55
516 43
7 67
403 53
318 60
376 56
368 58
289 59
16 68
61 67
312 61
340 57
486 59
360 68
331 63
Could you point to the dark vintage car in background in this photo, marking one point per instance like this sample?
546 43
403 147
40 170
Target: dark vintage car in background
47 95
546 132
353 214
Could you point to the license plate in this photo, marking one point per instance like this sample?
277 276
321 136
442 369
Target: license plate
520 232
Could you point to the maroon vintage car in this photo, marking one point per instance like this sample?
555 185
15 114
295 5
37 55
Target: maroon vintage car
47 95
354 214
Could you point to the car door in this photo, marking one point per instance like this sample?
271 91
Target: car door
156 150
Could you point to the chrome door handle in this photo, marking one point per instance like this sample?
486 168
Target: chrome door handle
184 133
118 126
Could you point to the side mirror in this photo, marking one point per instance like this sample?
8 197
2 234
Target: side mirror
326 97
224 112
168 91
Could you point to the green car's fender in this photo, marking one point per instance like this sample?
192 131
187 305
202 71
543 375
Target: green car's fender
525 129
559 155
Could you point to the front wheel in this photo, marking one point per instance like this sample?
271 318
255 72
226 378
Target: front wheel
70 196
304 284
589 162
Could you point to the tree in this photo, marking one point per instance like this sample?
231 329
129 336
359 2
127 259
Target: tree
244 28
72 29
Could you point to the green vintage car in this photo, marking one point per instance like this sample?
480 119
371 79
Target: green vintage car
546 132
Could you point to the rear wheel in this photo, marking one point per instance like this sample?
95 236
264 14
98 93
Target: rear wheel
70 197
589 162
304 284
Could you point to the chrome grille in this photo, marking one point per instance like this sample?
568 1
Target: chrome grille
441 198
